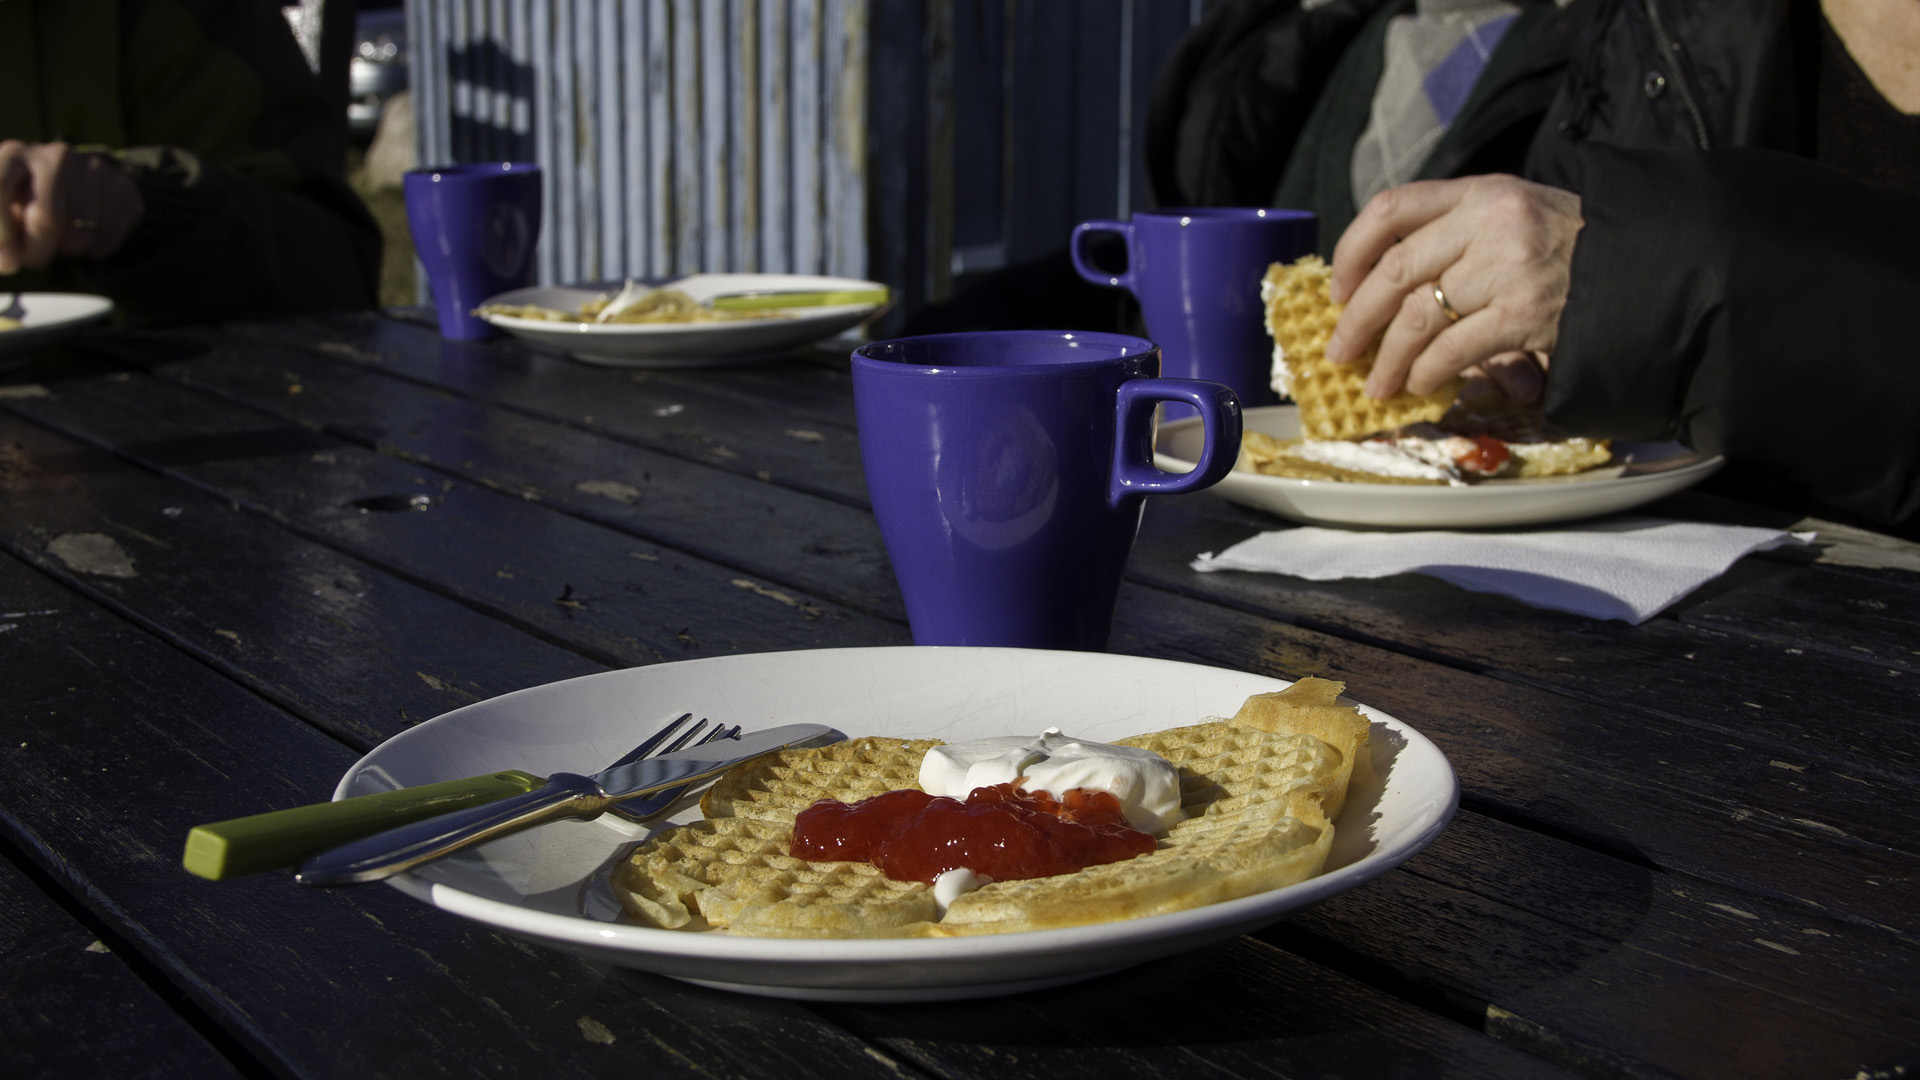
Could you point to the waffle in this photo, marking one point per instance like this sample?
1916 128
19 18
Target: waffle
1258 805
1332 397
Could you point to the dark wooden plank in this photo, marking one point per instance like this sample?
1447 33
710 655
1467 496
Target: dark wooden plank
1724 811
1869 619
767 529
70 1007
735 418
615 598
1238 1010
1737 687
1614 963
118 744
340 643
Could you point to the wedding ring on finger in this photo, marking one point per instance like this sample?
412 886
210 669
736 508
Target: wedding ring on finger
1445 308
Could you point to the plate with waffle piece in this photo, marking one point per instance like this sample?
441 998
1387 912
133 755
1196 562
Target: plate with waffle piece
1274 817
1638 473
1462 456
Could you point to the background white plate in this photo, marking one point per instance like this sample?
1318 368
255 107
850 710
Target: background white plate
549 885
1642 473
671 345
49 318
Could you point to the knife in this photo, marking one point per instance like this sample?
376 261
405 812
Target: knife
284 838
564 795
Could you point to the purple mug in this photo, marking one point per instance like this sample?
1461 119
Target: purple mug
1008 470
474 227
1196 272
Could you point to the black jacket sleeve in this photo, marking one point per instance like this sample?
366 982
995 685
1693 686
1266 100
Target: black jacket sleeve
1229 102
1754 304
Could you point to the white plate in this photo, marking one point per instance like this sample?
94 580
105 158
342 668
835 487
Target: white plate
550 885
677 345
50 317
1642 473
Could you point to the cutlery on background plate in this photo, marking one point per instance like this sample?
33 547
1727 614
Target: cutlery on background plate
774 301
283 838
633 292
564 795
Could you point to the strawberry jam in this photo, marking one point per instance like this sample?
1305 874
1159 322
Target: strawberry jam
1001 833
1486 457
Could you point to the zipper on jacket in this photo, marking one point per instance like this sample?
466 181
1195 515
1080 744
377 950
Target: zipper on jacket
1670 49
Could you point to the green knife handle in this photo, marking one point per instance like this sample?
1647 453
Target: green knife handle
774 301
285 838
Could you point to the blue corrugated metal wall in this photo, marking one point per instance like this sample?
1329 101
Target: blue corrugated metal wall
907 140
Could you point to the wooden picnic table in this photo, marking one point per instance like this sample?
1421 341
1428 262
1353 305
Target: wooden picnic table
236 559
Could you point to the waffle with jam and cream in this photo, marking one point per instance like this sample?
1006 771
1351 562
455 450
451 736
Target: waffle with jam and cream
1259 793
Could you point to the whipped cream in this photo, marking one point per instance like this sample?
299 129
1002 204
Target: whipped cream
952 885
1385 458
1147 785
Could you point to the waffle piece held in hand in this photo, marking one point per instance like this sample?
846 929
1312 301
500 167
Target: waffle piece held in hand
1332 397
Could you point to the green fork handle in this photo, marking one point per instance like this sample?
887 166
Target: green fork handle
285 838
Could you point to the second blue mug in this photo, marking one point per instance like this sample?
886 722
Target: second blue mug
474 227
1196 272
1008 470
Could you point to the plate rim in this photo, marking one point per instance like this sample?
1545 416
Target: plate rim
801 953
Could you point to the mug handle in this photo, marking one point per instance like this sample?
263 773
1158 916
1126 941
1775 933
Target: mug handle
1133 474
1075 249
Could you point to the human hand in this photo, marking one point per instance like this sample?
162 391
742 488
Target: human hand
1499 248
56 202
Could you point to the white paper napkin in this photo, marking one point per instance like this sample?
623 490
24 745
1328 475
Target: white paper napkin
1627 568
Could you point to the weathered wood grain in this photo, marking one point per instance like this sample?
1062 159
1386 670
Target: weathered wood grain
1624 962
617 599
69 1006
1718 810
767 529
1739 686
359 652
1210 1013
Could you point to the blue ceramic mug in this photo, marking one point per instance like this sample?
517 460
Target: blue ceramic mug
1008 470
474 227
1196 272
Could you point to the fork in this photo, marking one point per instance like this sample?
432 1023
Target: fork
641 810
285 838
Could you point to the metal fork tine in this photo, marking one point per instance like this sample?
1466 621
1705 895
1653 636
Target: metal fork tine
639 810
654 740
719 732
681 742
